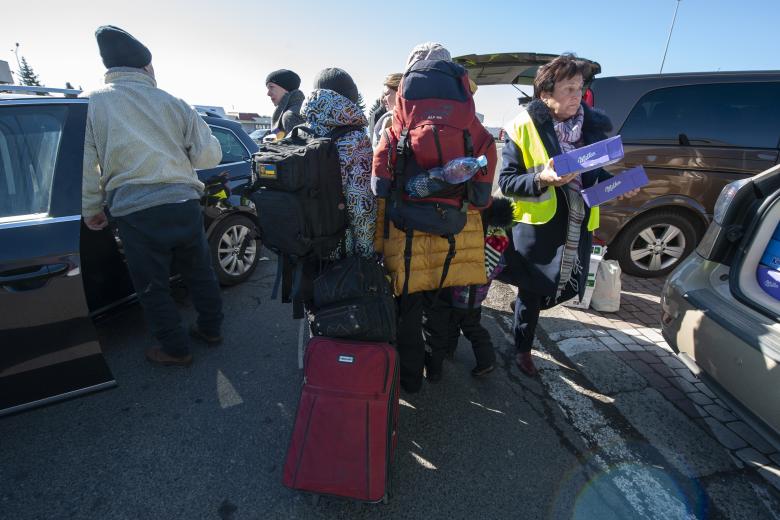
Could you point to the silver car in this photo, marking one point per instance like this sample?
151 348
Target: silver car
717 316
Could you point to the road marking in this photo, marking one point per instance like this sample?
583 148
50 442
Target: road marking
647 488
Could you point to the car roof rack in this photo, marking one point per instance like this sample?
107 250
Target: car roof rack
38 90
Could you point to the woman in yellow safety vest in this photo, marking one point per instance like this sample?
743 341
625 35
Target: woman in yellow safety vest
551 238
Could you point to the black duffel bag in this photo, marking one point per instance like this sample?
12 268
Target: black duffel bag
353 299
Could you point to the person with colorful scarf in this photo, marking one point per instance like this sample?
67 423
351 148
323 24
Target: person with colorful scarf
333 104
551 239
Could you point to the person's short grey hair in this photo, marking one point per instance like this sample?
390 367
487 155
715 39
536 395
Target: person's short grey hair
427 51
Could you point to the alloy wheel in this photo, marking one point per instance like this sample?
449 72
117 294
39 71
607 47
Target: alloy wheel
657 247
229 252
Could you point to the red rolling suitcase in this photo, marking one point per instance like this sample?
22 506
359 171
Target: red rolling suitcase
345 431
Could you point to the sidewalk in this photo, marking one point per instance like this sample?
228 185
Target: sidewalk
633 336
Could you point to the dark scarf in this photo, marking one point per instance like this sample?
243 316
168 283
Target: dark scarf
290 101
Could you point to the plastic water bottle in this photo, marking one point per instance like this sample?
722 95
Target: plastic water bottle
459 170
456 171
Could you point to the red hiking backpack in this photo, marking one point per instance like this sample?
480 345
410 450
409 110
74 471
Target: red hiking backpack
434 121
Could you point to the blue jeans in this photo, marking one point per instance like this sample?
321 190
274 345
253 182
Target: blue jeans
156 239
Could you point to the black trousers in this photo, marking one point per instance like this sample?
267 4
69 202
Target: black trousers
469 321
154 239
414 316
527 308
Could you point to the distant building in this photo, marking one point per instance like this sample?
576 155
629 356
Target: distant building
251 121
5 74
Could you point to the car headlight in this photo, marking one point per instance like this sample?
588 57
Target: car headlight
725 198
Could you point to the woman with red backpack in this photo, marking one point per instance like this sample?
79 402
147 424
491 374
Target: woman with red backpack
430 243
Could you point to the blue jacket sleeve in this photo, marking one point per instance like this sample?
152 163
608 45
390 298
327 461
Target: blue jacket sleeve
514 179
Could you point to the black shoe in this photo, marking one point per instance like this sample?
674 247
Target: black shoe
482 371
211 341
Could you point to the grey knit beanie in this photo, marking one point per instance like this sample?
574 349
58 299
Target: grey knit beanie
286 79
339 81
427 51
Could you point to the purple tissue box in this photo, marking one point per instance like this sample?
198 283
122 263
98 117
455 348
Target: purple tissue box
614 187
771 257
589 157
769 280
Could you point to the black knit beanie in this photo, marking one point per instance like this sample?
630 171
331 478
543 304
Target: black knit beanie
286 79
118 48
339 81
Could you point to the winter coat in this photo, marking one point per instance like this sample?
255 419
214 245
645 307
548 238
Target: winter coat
287 115
325 110
138 134
533 259
428 255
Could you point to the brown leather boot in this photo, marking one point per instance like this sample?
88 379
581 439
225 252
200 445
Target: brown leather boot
157 356
526 364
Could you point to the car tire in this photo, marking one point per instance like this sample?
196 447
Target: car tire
655 243
226 242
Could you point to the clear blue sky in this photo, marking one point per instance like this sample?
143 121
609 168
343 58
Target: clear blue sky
218 53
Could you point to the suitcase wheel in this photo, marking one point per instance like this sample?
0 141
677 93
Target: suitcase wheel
385 499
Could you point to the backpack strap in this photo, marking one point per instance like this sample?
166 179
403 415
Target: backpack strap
468 143
287 274
468 148
396 193
438 144
295 293
278 279
448 259
472 295
341 131
407 261
401 151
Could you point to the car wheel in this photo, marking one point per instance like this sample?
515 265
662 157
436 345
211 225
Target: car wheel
234 251
653 244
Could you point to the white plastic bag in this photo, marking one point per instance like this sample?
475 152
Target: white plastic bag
606 294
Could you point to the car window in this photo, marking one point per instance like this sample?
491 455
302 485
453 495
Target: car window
29 143
232 149
742 115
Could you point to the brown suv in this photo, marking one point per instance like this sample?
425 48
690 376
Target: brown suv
693 133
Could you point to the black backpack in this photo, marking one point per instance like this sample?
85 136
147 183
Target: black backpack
301 209
353 299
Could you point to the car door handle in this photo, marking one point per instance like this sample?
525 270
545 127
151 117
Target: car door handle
40 272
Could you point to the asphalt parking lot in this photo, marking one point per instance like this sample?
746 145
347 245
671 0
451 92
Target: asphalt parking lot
210 441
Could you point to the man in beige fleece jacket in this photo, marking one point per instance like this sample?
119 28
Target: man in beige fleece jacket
141 148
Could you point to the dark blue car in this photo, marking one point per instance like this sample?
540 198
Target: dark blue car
56 277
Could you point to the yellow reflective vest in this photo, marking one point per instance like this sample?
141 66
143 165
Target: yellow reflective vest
536 210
